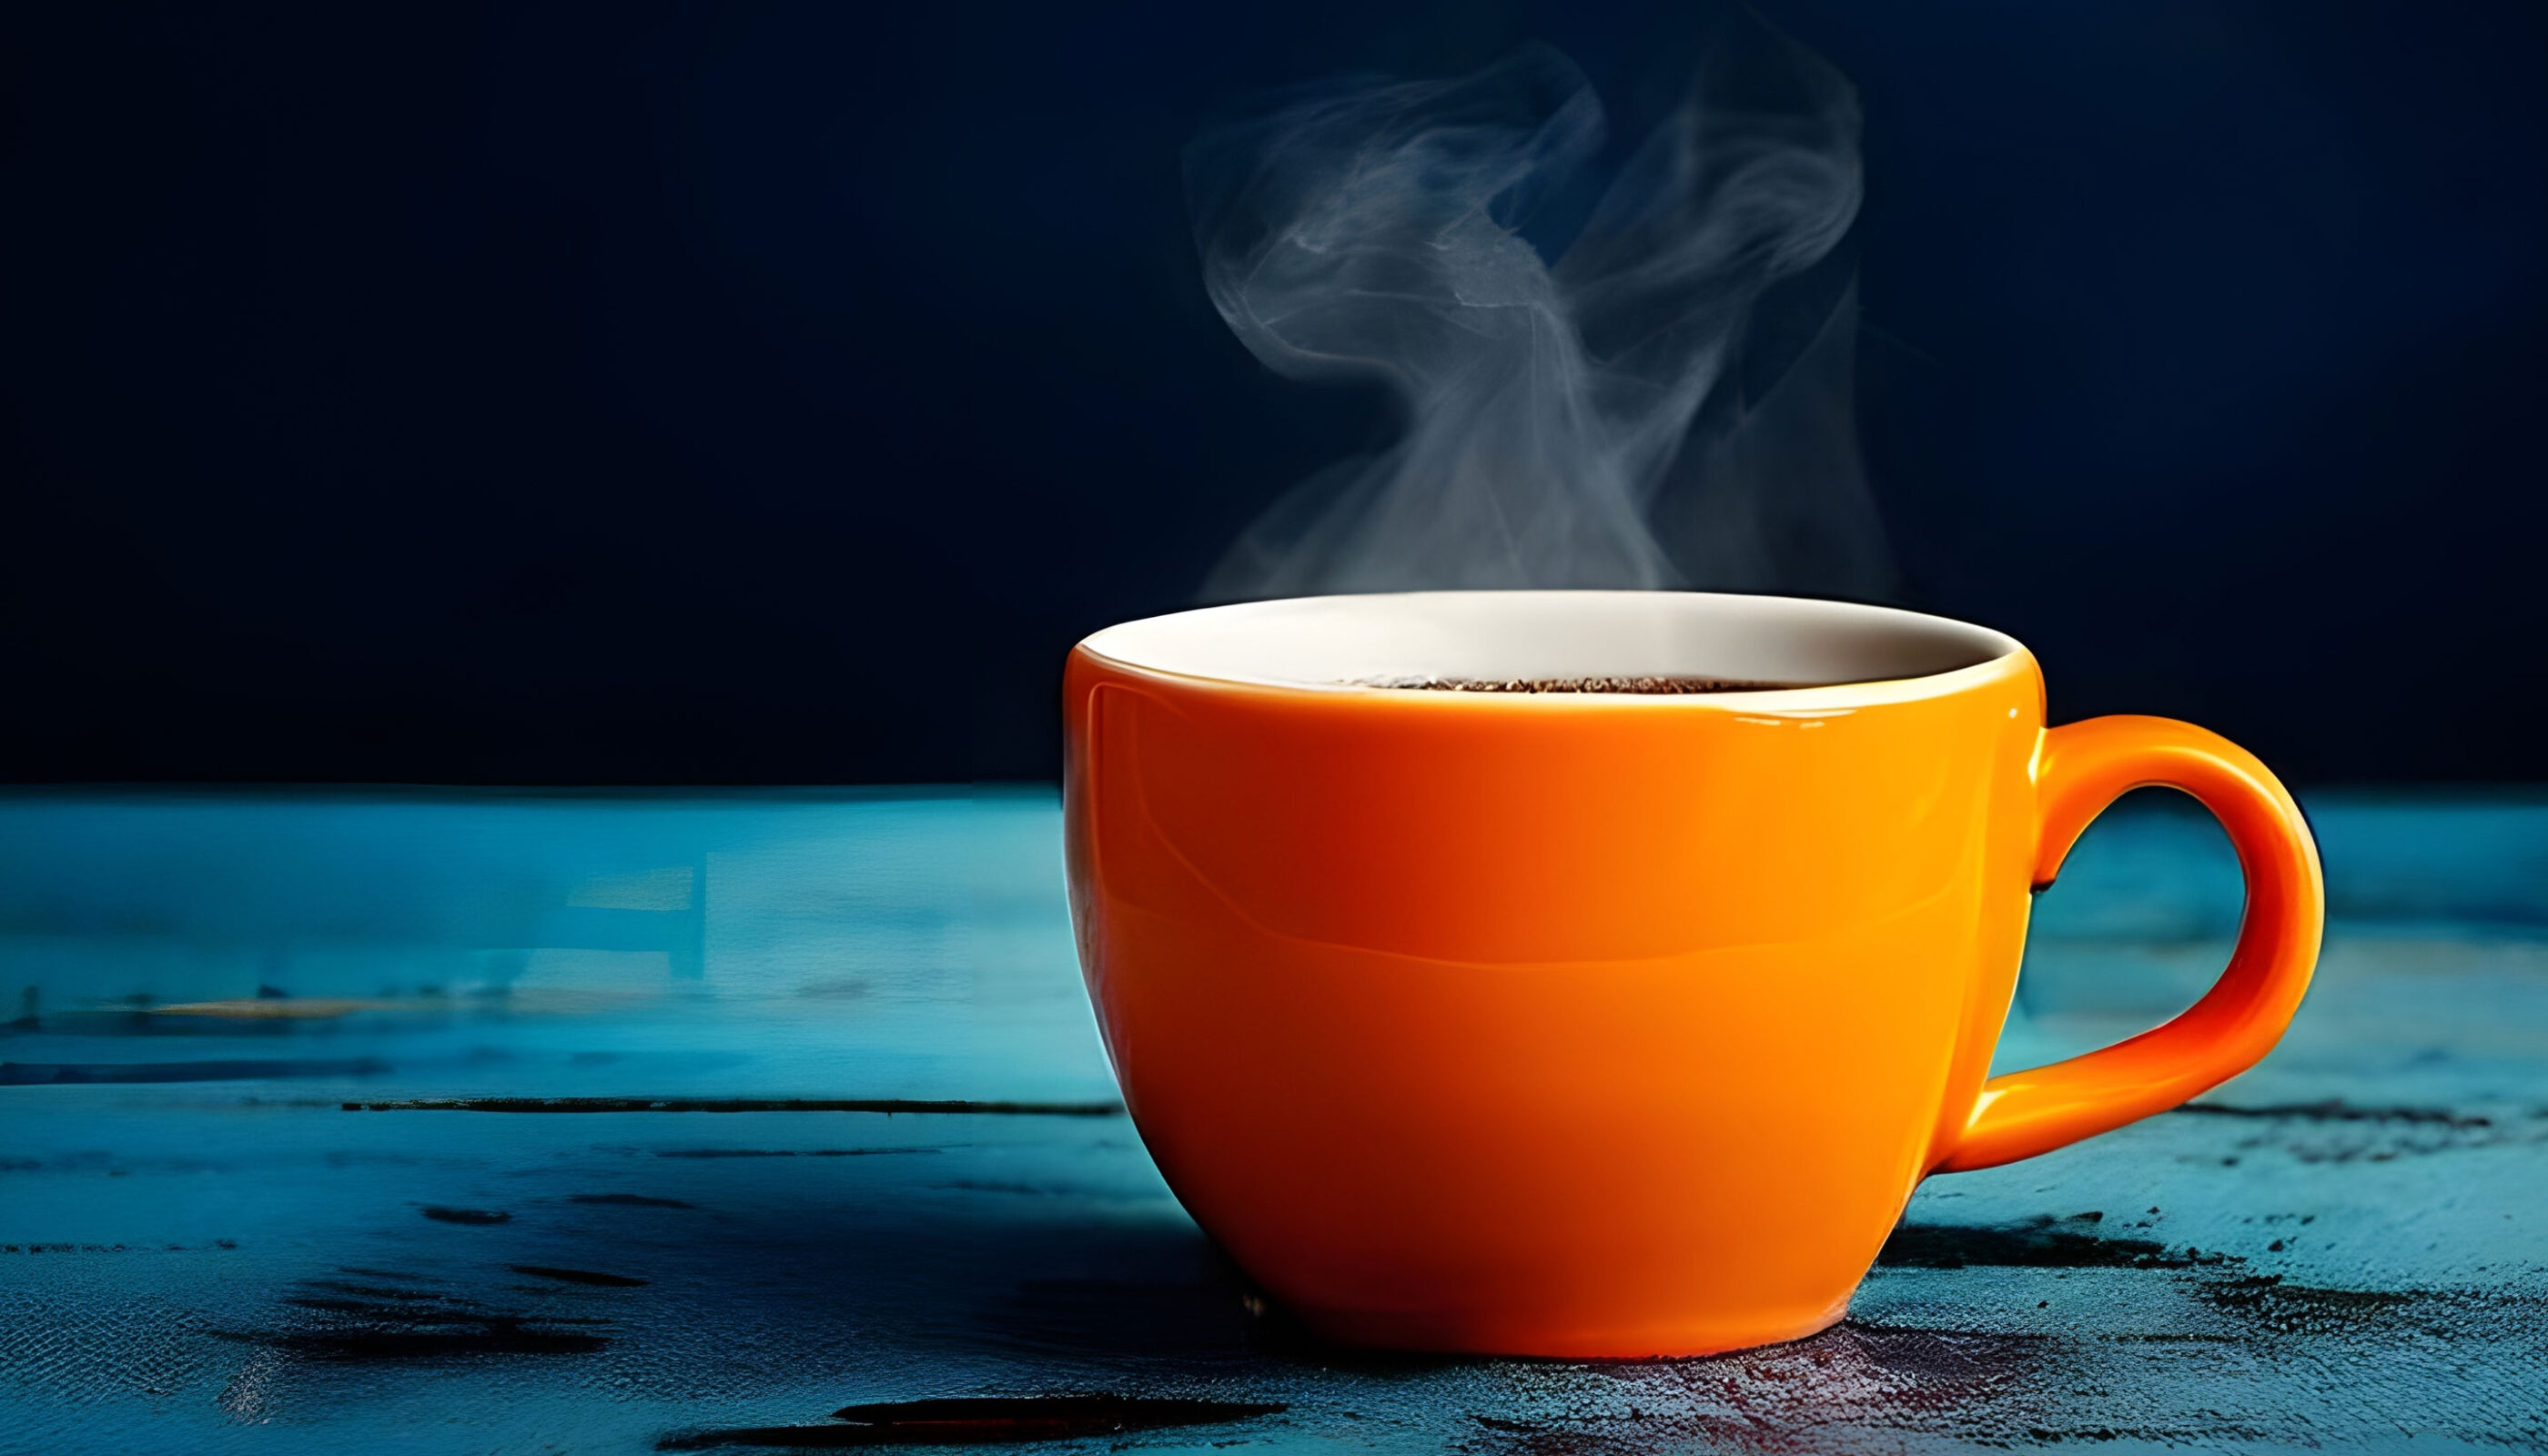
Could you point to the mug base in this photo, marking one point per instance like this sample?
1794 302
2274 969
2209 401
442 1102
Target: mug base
1527 1339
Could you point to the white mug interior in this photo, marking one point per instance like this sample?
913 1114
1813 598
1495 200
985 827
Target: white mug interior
1372 642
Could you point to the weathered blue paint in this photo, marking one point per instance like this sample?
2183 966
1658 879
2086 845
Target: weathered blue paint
200 1251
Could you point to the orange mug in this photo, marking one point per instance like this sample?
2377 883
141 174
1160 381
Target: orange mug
1601 1024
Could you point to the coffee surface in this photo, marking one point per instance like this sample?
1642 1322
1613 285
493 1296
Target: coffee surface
1647 684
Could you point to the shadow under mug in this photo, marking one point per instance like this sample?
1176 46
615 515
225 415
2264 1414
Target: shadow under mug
1604 1024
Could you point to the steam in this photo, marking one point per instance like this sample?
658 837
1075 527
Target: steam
1667 404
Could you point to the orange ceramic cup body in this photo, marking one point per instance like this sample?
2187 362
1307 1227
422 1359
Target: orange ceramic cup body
1604 1024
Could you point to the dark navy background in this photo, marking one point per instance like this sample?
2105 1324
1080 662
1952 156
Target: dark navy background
772 393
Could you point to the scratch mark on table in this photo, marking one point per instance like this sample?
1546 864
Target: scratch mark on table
2332 1110
409 1324
787 1152
889 1106
494 1337
2038 1243
578 1276
979 1420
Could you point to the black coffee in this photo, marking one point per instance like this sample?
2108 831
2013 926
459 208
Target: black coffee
1652 684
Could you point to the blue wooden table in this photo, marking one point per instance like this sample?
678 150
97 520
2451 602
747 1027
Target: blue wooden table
387 1123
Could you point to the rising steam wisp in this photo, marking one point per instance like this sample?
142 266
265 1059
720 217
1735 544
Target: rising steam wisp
1669 403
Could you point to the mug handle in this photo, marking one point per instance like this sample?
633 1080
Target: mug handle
2079 770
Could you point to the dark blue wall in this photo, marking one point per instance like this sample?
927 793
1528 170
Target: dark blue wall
625 393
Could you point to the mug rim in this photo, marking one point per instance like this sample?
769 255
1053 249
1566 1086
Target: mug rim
1120 648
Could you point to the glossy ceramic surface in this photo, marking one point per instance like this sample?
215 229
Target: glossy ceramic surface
1601 1025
